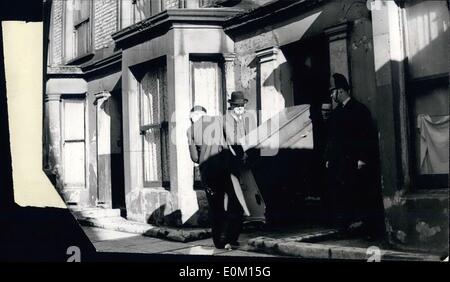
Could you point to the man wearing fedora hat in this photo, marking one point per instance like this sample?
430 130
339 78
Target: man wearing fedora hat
208 148
348 155
237 124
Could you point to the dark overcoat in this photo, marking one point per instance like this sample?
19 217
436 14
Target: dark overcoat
350 139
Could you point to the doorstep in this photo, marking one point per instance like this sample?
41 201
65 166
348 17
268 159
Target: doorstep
168 233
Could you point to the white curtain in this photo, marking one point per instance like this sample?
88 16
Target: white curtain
207 88
152 93
434 144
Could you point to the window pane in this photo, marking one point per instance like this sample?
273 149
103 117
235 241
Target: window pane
433 135
154 112
142 10
74 120
152 155
431 128
85 9
81 11
207 86
428 33
150 89
74 173
83 42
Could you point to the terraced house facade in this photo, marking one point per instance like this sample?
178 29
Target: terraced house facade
122 76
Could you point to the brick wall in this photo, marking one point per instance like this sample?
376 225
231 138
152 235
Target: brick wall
56 40
105 22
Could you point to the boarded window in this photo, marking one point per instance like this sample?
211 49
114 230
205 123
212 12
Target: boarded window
74 143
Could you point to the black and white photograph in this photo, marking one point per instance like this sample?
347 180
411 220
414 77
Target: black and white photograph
265 129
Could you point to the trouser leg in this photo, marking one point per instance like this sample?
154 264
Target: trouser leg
217 216
234 216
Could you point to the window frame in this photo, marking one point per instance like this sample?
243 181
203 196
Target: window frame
77 23
423 181
162 126
413 86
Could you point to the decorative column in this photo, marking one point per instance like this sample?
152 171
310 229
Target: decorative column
53 137
103 148
228 62
270 99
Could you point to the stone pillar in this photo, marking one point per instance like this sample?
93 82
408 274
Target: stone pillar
389 78
228 65
181 166
270 99
103 148
339 57
132 146
53 136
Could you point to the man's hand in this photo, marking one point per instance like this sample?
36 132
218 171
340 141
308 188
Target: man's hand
245 158
361 164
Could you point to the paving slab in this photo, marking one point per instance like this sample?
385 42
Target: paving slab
140 244
99 234
199 250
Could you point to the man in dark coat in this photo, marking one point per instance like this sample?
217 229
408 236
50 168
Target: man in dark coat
208 148
348 155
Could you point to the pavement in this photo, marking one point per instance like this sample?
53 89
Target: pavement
105 240
111 233
312 243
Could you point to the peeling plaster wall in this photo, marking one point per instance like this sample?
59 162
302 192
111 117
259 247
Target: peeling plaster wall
418 221
310 24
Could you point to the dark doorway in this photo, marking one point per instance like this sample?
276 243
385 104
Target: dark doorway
110 169
310 67
117 167
293 181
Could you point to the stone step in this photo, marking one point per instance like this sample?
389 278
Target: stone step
169 233
95 213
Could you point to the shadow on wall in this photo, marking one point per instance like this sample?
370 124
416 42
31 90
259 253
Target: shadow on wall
199 219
